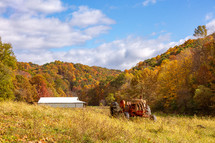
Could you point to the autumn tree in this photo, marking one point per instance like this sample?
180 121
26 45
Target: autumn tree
200 31
7 66
168 84
184 87
204 99
144 84
24 91
40 84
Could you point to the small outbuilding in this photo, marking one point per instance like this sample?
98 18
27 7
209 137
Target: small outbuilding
66 102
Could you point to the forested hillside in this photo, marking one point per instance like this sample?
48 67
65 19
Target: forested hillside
27 81
57 79
181 80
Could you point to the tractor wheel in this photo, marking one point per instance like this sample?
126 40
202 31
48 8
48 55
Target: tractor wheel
127 116
153 117
115 109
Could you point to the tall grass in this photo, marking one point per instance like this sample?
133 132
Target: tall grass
20 122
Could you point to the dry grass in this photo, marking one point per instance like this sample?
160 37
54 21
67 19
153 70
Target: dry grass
20 122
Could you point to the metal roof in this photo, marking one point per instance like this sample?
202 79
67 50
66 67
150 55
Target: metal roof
59 100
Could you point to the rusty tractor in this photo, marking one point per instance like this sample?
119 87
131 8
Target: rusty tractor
133 108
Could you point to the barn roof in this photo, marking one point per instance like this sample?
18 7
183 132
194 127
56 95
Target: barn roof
59 100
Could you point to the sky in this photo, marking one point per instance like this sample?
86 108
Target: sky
116 34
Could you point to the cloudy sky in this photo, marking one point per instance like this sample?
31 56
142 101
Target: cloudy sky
115 34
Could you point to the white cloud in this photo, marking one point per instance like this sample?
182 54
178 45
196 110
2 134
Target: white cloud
33 6
97 30
29 27
211 26
147 2
209 16
34 33
86 16
119 54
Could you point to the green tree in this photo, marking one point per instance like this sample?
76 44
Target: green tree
110 98
6 83
200 31
119 81
7 65
6 55
204 98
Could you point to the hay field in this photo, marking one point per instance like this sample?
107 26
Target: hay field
20 122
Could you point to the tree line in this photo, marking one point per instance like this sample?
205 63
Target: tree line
181 80
28 82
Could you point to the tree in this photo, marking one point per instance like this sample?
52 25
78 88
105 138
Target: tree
7 65
144 84
119 81
200 31
24 91
6 83
204 98
110 98
40 84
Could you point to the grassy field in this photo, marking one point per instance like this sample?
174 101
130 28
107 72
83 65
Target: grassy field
20 122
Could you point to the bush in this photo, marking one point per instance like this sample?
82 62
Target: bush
203 98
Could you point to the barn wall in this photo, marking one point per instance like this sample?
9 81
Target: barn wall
64 105
79 105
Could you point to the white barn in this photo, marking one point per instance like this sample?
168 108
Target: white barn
66 102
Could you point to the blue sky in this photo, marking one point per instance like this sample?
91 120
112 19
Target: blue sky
108 33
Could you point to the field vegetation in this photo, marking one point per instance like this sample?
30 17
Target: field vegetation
21 122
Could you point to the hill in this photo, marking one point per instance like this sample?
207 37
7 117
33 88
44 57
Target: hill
181 80
20 122
28 82
58 79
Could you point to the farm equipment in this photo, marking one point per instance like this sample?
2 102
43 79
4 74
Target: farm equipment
135 107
